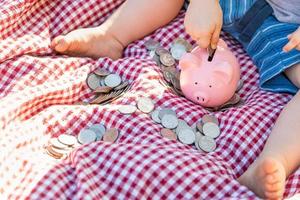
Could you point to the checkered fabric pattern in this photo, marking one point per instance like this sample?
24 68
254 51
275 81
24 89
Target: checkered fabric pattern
39 91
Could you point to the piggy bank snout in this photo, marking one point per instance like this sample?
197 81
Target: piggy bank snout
201 98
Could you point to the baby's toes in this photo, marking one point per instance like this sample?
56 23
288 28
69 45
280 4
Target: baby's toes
60 44
272 178
274 195
273 187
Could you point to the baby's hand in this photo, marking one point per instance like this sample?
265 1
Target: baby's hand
203 21
294 41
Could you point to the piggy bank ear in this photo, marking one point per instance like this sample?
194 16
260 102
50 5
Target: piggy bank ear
223 72
189 60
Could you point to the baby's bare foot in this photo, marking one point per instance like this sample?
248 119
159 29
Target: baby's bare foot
88 42
267 179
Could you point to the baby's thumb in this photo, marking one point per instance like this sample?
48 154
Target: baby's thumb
215 38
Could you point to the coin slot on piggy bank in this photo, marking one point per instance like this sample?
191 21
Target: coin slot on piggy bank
210 83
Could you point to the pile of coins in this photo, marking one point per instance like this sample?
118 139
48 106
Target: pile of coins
144 104
176 129
208 130
106 85
168 60
60 147
202 135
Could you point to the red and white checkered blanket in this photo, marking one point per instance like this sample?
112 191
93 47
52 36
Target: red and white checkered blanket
38 92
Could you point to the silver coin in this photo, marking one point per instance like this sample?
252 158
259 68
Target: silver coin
99 129
54 142
61 151
160 51
145 105
198 136
102 82
152 44
155 117
210 118
152 54
169 121
187 136
166 111
86 136
199 126
101 72
127 109
178 51
207 144
181 125
122 86
67 139
240 85
92 81
167 60
194 127
211 129
112 80
156 58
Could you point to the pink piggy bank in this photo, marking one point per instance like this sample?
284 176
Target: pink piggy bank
209 84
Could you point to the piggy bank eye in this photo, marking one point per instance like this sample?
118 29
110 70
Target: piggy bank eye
210 86
196 83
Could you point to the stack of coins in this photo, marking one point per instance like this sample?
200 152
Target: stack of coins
207 131
173 127
176 129
106 86
144 104
168 59
60 147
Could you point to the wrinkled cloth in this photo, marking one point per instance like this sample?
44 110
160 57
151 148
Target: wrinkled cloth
39 91
286 11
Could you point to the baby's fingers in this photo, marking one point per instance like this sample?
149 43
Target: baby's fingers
215 37
293 43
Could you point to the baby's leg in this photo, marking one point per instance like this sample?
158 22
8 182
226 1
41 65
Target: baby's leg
133 20
280 156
